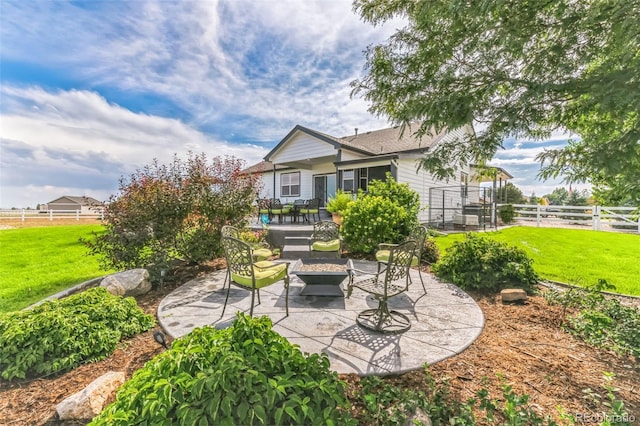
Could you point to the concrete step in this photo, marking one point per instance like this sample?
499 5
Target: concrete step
295 252
296 240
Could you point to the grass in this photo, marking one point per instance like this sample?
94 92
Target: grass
573 256
38 262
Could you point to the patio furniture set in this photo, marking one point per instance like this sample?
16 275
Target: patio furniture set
305 210
248 270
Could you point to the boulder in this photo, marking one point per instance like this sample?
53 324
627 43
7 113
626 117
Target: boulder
133 282
90 401
513 295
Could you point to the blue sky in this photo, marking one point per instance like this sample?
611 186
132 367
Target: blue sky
91 91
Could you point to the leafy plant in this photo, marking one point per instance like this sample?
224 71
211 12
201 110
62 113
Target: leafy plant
600 321
507 213
174 211
60 335
340 202
430 251
480 263
386 213
245 374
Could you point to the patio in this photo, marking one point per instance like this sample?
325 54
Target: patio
445 321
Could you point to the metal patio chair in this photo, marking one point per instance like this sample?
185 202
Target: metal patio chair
250 275
417 234
393 280
325 240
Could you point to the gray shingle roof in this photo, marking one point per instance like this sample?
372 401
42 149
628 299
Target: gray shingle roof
391 140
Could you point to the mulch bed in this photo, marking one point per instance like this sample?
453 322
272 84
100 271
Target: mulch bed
521 345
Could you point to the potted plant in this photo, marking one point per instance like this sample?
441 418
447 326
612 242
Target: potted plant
338 204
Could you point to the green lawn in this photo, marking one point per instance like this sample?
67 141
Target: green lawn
38 262
574 256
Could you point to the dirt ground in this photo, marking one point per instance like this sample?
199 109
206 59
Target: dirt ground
6 223
521 345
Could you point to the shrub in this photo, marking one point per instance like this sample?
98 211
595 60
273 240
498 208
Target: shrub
507 213
175 211
245 374
430 252
340 202
480 263
600 321
59 335
371 220
386 213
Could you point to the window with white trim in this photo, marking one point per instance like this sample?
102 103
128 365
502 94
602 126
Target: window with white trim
347 180
290 184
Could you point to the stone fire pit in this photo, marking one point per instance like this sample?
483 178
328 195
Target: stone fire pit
322 277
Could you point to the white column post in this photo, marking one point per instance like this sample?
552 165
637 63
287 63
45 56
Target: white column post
50 215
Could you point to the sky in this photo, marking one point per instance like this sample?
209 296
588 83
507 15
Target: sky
91 91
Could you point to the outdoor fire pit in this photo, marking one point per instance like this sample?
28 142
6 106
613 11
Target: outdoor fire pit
322 277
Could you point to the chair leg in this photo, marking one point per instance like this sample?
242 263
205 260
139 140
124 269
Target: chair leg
226 300
286 295
253 297
421 280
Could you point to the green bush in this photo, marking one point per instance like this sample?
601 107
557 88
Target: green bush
245 374
480 263
386 213
507 213
430 252
59 335
600 321
340 202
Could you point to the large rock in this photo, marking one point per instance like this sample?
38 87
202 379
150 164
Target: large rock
90 401
134 282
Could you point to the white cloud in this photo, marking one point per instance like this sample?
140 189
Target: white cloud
51 140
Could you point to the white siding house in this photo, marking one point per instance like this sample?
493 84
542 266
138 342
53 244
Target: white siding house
309 164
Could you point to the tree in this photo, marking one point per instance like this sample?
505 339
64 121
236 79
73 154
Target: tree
510 194
165 212
558 196
518 69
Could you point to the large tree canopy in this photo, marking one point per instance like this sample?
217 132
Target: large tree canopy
517 69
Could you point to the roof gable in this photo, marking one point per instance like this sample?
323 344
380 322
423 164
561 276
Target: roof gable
70 199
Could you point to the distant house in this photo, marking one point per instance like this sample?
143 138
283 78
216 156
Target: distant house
86 205
310 164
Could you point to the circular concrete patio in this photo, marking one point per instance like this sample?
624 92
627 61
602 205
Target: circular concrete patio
444 321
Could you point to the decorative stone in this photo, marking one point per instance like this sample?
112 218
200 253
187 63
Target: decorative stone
134 282
513 295
90 401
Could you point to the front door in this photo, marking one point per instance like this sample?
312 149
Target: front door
324 186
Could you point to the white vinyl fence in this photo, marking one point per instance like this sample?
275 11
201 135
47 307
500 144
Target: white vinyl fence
51 215
600 218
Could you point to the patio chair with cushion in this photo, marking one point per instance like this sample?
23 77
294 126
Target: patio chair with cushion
325 240
419 235
277 209
259 253
245 273
264 208
311 208
393 280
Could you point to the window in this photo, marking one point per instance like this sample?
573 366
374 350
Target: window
290 184
364 179
347 180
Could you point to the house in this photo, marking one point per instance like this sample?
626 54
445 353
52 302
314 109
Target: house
309 164
86 205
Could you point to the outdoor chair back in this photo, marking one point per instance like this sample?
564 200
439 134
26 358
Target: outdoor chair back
417 234
325 240
245 273
393 280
